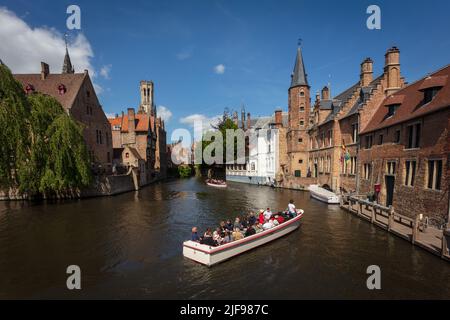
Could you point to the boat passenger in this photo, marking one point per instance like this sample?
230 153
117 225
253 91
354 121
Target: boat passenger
258 227
267 215
268 225
194 236
250 231
207 238
261 216
237 223
217 238
237 235
274 222
291 209
229 226
251 218
279 218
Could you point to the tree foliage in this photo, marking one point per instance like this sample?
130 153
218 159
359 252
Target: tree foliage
42 149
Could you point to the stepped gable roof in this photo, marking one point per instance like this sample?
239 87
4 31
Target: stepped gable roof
412 103
365 92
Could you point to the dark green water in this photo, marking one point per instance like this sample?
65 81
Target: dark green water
129 246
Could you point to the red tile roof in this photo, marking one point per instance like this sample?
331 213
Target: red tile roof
412 106
50 85
142 122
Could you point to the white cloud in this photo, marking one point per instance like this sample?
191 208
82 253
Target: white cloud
184 55
23 47
200 123
164 113
219 69
105 71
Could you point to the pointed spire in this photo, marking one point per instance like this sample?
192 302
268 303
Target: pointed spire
67 66
299 77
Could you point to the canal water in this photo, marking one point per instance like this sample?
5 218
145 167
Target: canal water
130 246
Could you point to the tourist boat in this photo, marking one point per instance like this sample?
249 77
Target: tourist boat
217 183
323 195
209 256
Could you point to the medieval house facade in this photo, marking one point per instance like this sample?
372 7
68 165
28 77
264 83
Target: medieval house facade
76 94
143 135
379 131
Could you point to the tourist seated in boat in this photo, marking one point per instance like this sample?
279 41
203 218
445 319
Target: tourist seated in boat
268 225
250 231
279 218
237 223
229 226
267 215
261 216
237 234
274 222
208 238
258 227
218 240
291 209
251 218
194 236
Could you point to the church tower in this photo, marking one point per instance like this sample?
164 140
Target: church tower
67 65
299 115
146 89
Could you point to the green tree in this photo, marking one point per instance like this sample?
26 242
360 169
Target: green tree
14 131
67 164
42 149
184 171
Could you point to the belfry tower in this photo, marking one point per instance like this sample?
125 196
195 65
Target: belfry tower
146 106
299 114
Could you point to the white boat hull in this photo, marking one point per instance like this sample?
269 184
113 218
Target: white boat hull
323 195
209 256
216 185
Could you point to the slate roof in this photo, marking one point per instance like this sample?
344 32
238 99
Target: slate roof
299 77
412 106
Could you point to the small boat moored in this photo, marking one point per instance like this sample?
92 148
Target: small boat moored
209 255
323 195
216 183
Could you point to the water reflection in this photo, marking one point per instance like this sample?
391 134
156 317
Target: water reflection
129 246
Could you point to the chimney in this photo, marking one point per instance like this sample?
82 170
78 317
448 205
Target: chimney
325 93
248 121
131 120
366 76
278 118
317 96
392 70
45 70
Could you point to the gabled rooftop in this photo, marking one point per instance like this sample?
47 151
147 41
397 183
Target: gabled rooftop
410 101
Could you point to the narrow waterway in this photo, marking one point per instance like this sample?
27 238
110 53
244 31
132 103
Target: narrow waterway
130 246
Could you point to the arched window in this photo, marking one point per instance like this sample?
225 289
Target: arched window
302 93
302 107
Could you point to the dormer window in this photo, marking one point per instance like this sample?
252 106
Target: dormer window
429 94
62 89
431 86
29 88
392 108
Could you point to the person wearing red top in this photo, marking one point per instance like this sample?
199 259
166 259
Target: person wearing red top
261 216
279 218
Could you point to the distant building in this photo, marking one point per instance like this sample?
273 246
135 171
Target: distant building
262 151
77 95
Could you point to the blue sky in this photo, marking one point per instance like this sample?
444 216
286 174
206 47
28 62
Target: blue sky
177 44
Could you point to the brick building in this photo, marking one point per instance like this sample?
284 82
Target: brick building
76 94
143 132
405 148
